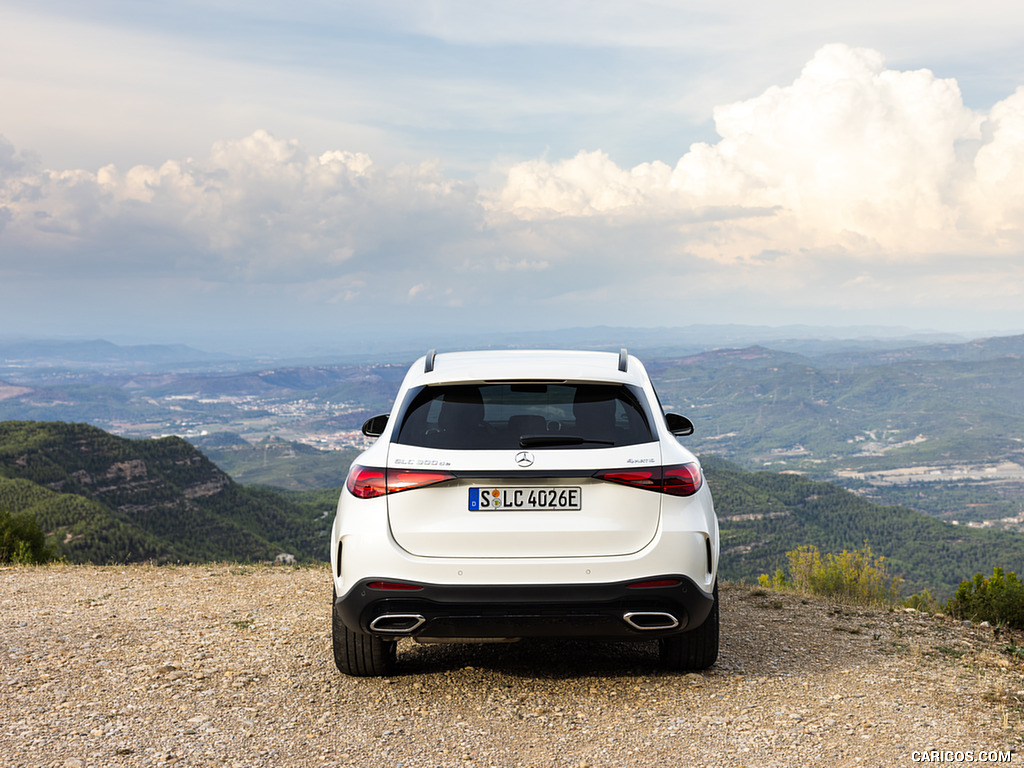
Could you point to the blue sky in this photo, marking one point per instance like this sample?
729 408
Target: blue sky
194 171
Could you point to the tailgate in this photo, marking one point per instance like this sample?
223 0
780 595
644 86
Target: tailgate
553 508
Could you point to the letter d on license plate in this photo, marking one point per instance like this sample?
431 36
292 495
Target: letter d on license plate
525 499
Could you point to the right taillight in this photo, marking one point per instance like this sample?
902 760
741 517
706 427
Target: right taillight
675 480
681 480
369 482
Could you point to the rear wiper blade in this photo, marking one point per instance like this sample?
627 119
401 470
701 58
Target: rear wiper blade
536 441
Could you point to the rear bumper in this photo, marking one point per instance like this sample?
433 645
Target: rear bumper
612 611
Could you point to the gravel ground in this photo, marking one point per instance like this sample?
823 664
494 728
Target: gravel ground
231 666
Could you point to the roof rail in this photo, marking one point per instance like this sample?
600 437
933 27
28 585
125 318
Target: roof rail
429 365
623 360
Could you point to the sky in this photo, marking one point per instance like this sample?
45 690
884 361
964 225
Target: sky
312 171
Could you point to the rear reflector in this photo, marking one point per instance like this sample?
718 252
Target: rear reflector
369 482
396 585
654 583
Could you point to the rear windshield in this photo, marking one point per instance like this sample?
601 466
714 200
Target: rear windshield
497 416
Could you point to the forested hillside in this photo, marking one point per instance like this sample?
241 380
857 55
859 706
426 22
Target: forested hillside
765 514
101 498
881 410
275 462
934 426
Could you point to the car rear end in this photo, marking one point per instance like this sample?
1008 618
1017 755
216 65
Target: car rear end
521 495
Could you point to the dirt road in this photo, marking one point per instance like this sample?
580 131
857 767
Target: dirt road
231 666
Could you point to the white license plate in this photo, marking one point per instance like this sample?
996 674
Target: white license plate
525 499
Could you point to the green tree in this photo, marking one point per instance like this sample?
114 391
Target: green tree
21 540
998 599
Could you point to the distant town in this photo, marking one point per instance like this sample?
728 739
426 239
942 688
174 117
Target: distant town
254 419
932 425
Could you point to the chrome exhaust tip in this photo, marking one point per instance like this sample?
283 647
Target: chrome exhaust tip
649 620
397 623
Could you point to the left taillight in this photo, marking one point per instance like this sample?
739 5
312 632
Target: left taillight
366 482
369 482
675 480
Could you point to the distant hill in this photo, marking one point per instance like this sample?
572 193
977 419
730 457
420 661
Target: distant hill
763 515
275 462
78 353
937 405
970 351
104 499
101 498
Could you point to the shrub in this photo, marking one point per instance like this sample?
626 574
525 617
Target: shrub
998 599
778 581
922 601
21 540
856 576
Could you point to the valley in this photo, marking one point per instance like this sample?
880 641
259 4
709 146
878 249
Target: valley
934 425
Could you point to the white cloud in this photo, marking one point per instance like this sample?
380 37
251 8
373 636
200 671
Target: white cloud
997 195
854 188
258 208
851 157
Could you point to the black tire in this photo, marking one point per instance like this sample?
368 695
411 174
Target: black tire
361 655
696 649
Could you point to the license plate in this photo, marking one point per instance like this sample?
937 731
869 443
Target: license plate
524 499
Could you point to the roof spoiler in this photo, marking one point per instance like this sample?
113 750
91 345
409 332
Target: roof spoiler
428 365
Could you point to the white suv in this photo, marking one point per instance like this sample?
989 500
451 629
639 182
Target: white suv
517 494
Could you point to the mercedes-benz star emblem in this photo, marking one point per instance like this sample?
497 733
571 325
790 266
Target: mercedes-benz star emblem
524 458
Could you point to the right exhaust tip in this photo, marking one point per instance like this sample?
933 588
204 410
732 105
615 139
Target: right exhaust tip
650 620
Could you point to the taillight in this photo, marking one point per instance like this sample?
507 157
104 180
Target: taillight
369 482
366 482
681 480
638 478
404 479
675 480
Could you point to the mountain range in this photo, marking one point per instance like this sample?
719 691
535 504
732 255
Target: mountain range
106 499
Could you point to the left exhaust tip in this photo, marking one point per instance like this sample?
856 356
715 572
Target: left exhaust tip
650 620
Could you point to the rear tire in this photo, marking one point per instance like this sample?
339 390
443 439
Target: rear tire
696 649
360 655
